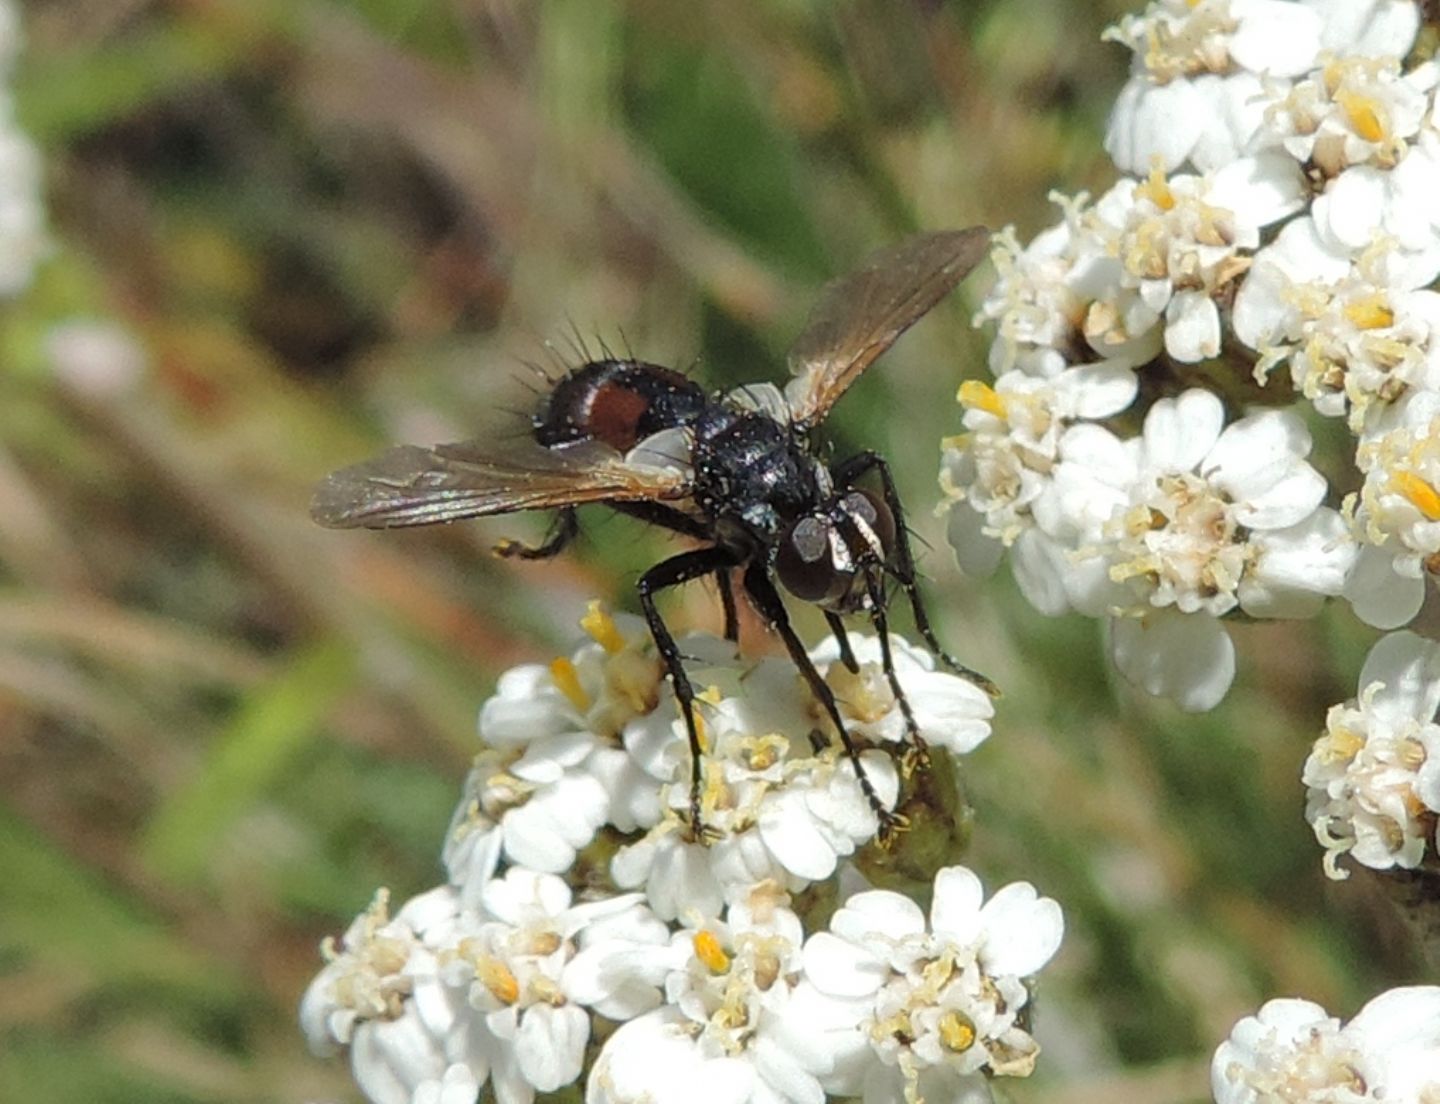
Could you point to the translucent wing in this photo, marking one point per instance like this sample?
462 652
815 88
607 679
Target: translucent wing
859 316
410 485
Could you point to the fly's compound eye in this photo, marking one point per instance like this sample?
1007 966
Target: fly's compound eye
805 561
871 509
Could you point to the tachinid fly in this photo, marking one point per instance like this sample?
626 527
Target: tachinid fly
740 473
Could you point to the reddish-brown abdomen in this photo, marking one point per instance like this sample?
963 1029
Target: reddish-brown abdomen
619 402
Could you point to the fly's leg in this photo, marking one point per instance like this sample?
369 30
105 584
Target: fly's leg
667 517
668 573
918 754
837 630
768 602
727 601
565 530
903 568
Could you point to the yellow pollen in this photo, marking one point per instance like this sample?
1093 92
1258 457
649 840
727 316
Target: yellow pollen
1156 189
957 1032
567 681
500 981
601 627
1370 313
981 396
1363 113
710 953
1421 495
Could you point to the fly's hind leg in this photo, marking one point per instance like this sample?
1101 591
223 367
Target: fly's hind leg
565 529
771 607
668 573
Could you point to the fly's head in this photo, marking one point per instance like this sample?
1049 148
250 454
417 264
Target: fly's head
824 556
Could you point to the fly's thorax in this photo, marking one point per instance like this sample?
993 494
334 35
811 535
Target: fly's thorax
754 472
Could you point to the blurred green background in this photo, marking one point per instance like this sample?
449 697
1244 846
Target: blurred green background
334 225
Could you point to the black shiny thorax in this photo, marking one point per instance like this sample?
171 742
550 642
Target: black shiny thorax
753 474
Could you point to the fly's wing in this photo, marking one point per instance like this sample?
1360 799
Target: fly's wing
410 485
859 316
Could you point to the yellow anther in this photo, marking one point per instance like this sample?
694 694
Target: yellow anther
710 953
1421 495
1156 189
957 1032
567 681
1364 114
763 752
981 396
601 627
958 440
493 974
1370 313
1339 745
702 737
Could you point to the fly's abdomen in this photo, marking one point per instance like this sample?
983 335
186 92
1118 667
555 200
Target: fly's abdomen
619 402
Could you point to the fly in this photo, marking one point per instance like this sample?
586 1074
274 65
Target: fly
738 473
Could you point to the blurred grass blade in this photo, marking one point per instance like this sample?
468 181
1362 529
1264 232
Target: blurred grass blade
86 89
272 727
55 909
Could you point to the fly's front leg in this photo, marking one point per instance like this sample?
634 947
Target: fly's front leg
668 573
657 513
837 630
768 602
565 530
903 567
919 753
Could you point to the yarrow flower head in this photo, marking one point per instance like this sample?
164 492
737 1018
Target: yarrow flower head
935 1004
500 979
1277 237
1293 1050
1373 779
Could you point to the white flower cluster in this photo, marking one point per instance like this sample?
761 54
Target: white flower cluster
585 931
1278 239
1293 1050
1373 779
23 240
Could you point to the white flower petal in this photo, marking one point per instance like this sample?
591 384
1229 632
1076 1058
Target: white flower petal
1378 595
550 1045
1192 327
1022 930
955 907
841 968
1188 658
1179 432
878 910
